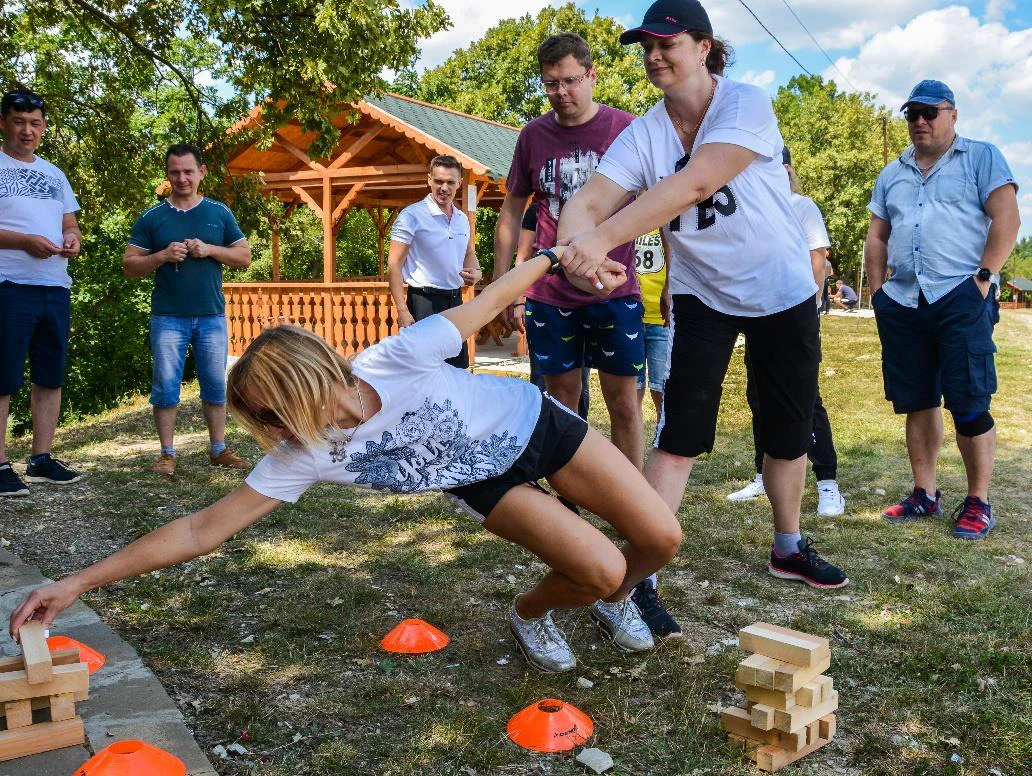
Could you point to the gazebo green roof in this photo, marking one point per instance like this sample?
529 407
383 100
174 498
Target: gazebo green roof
490 143
1022 284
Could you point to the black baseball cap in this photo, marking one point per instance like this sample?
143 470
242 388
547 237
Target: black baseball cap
666 18
786 156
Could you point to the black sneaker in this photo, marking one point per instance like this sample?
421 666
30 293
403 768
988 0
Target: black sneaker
807 566
51 470
10 483
656 616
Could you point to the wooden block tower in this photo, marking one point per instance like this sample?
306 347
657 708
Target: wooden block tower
790 703
45 682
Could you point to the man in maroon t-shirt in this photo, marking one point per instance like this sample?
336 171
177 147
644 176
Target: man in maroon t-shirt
566 327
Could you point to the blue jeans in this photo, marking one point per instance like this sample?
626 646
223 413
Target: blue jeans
657 356
170 335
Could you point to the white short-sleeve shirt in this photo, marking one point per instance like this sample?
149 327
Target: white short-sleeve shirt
34 197
438 427
437 244
742 251
812 221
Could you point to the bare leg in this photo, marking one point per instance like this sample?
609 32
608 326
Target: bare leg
628 432
566 388
5 408
165 422
668 475
978 453
46 407
215 417
783 480
924 441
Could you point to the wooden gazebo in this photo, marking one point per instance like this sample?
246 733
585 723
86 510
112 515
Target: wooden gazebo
380 164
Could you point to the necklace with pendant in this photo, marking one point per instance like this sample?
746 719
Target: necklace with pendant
680 126
361 404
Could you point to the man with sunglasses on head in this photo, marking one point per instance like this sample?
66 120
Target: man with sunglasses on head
38 234
944 218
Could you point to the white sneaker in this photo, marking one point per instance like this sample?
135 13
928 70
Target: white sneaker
623 624
542 643
753 490
829 501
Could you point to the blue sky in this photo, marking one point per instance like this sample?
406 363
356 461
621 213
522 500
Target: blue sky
983 50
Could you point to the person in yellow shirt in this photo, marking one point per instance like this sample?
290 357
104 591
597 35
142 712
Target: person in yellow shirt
650 263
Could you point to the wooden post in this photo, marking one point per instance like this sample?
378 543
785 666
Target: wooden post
329 243
275 254
469 204
381 239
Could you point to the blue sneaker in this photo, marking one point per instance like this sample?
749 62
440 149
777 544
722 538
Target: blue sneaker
915 506
52 470
10 483
976 519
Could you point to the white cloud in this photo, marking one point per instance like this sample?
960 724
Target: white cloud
762 79
988 67
1018 154
995 10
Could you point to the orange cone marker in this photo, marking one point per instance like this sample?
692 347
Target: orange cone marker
88 655
132 758
414 637
550 726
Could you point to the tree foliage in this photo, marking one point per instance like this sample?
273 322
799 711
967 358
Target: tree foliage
837 149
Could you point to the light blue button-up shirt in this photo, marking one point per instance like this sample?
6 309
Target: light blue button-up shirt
938 223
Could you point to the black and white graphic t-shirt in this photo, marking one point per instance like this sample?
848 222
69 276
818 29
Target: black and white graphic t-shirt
438 426
742 251
34 197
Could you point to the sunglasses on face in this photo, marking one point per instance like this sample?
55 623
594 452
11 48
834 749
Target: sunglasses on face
926 112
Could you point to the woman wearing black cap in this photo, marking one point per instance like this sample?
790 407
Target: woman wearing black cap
705 164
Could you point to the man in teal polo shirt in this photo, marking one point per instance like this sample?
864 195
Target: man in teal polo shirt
185 240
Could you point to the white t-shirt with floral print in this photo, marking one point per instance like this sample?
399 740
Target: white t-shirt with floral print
438 427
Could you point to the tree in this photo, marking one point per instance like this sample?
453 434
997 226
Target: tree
497 77
837 150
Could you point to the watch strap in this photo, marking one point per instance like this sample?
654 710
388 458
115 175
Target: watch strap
556 266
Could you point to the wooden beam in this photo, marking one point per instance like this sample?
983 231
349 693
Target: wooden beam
293 149
345 203
275 255
39 666
405 180
353 149
351 172
329 243
309 199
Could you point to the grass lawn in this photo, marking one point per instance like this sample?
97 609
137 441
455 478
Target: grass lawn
272 641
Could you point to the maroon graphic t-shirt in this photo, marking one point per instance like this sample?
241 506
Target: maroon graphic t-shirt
552 162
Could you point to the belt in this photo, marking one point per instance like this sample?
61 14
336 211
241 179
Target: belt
450 293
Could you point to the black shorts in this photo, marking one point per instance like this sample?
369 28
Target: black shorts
35 321
556 437
785 352
424 302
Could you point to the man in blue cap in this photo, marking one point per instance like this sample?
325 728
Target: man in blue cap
944 218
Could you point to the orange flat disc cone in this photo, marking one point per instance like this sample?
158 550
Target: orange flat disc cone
550 726
414 637
131 758
87 655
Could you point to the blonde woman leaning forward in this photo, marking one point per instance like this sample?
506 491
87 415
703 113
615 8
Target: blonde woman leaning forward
706 162
398 418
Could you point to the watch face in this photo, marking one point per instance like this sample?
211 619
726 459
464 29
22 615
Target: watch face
985 274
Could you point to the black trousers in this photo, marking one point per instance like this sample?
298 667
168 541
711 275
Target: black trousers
424 302
822 447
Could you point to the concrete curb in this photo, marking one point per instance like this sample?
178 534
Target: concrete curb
126 699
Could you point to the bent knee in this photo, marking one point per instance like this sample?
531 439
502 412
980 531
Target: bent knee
606 575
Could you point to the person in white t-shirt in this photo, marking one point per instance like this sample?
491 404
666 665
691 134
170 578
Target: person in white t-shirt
821 452
431 252
398 418
705 163
38 234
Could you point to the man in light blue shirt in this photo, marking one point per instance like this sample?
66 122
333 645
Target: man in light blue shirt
944 218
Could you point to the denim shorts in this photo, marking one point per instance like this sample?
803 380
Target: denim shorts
657 356
607 335
170 335
35 321
937 351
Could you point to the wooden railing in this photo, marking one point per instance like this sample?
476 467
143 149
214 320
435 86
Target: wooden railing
350 315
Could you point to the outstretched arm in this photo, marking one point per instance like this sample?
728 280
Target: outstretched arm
180 540
470 317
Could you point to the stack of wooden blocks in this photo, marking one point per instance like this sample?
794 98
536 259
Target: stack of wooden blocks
790 704
45 682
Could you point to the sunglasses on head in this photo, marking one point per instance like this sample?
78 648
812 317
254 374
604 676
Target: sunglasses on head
926 112
20 99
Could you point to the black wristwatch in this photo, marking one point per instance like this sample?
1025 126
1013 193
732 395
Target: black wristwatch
556 266
984 274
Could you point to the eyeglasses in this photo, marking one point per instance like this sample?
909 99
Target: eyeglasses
927 112
552 87
268 418
20 99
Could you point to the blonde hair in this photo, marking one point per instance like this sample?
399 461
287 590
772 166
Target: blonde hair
793 179
293 373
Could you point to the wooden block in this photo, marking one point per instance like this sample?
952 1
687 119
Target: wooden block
771 758
762 716
827 685
800 716
810 694
738 722
39 666
792 678
773 698
18 713
41 737
813 732
59 657
826 727
747 744
15 686
757 670
793 742
784 644
62 707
